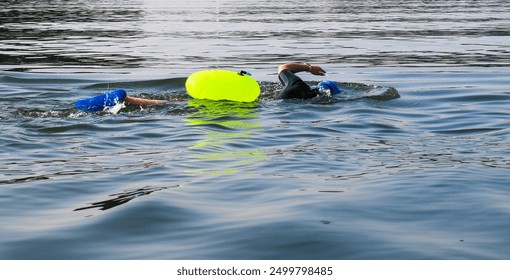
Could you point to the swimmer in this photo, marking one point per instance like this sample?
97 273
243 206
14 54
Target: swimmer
100 102
295 87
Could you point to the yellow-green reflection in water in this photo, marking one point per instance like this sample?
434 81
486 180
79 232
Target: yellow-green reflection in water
225 125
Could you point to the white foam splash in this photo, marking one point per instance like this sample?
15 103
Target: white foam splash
115 109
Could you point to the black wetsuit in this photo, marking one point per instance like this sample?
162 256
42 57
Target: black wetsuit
294 87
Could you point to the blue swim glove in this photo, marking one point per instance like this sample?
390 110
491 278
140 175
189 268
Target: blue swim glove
99 102
328 85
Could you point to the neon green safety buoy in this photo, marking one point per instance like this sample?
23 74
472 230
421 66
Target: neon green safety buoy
223 85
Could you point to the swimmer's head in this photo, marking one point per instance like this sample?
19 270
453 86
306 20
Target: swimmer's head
328 87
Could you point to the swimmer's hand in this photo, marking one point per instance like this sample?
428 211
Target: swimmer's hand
317 70
295 67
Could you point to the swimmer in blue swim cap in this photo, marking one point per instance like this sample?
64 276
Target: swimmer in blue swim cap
102 101
295 87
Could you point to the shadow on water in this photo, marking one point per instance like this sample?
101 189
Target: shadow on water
124 197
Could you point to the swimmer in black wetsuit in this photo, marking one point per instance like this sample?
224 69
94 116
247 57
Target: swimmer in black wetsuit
295 87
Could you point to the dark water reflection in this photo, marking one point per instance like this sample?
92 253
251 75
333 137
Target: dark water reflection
161 34
68 32
121 198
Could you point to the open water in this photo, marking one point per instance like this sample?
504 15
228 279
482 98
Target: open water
422 174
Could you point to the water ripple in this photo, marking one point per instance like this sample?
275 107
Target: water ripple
408 163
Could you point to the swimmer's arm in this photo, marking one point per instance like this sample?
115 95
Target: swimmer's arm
302 67
143 101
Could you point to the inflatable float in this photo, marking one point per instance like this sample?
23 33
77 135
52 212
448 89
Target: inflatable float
223 85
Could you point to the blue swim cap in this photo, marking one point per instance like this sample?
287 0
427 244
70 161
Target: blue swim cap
99 102
328 85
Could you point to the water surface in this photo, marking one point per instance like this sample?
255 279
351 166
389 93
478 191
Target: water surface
423 176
